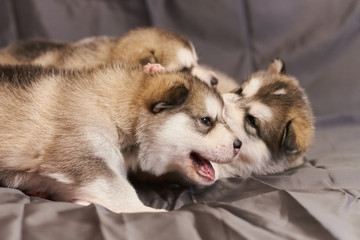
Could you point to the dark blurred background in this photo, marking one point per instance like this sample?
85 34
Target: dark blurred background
318 40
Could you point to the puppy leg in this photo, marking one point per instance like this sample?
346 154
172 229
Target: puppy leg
152 68
114 193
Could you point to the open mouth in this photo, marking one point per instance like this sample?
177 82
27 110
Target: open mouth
203 166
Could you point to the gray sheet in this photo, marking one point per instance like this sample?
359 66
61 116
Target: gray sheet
320 43
319 200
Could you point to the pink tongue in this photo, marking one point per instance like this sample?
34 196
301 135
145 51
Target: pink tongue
205 169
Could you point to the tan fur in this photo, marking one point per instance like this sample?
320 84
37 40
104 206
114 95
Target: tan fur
145 45
284 123
75 134
140 46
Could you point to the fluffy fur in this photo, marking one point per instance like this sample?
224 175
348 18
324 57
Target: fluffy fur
272 116
275 100
224 83
141 46
75 134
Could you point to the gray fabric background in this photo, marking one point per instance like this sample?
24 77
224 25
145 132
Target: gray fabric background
320 43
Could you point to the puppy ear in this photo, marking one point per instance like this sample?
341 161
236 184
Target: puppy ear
288 143
172 98
277 66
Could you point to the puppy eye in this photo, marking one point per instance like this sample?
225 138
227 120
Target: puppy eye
206 121
239 91
251 120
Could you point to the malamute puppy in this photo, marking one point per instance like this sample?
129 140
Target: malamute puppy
272 116
74 135
140 46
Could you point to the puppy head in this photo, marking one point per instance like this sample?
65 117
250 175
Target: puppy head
155 45
172 50
271 114
181 128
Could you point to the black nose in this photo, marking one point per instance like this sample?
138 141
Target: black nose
237 145
214 81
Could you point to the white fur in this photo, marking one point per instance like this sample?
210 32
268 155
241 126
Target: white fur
213 107
90 40
253 158
254 153
175 141
60 178
186 57
252 87
206 74
104 190
281 91
167 133
17 181
203 73
45 60
260 111
104 141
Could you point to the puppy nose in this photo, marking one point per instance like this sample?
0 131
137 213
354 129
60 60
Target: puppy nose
214 81
237 145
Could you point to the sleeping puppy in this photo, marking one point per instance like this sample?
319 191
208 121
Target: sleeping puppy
272 116
74 135
140 46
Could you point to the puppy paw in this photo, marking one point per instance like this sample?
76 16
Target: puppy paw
151 68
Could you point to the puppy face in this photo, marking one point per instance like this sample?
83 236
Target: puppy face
270 113
185 132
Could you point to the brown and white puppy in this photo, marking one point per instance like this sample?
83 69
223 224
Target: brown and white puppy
74 135
140 46
272 116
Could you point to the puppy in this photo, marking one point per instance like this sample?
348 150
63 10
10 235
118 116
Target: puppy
140 46
74 135
272 116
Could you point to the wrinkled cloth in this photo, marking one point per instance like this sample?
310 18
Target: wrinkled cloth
319 200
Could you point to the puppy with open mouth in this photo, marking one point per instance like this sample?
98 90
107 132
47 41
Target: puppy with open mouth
272 116
74 135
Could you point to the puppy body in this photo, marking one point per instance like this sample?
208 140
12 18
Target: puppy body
139 46
75 134
272 116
